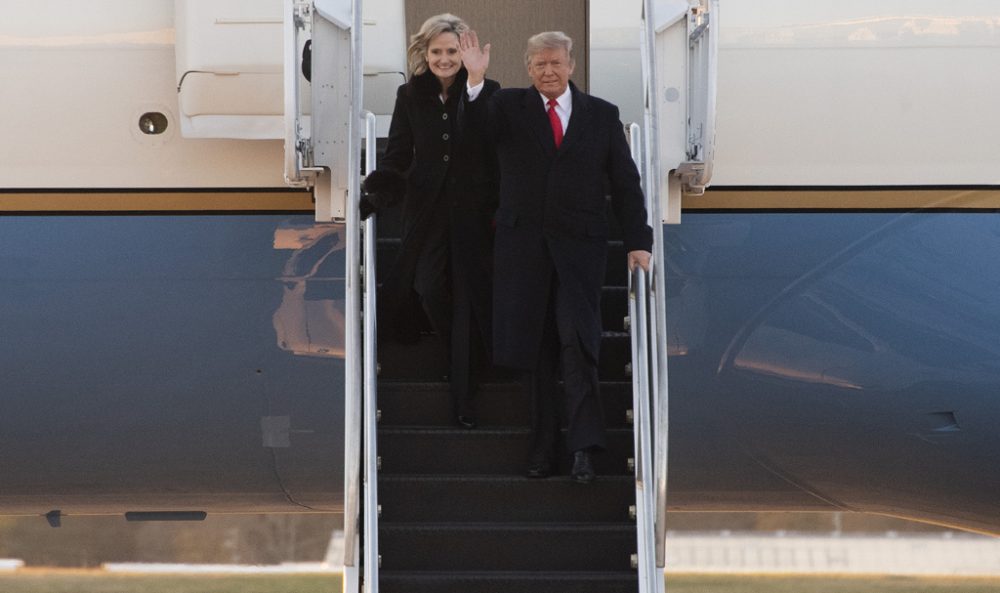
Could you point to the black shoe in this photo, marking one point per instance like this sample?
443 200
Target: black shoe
465 412
540 464
583 467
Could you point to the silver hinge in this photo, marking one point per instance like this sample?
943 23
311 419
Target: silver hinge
699 31
304 147
688 172
303 14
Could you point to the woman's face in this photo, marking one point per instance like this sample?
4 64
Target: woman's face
444 57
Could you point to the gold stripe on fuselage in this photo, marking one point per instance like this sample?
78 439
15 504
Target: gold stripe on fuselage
157 201
845 199
301 201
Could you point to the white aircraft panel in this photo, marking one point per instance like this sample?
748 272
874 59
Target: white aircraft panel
884 92
72 121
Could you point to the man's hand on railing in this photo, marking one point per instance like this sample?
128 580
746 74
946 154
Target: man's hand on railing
639 258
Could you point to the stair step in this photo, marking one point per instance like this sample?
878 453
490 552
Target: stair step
482 451
508 581
498 404
507 546
450 524
424 499
425 359
616 272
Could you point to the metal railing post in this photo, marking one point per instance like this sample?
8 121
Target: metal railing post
370 382
646 377
353 382
642 390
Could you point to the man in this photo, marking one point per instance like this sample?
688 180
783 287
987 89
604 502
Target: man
561 152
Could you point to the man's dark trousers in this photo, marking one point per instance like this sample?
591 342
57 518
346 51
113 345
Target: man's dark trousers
581 401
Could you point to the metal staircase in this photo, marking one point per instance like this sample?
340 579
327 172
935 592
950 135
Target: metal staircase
430 507
457 513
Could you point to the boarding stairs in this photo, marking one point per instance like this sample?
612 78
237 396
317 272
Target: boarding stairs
430 506
457 513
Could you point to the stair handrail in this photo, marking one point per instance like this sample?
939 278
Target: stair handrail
646 394
371 562
360 405
642 392
353 390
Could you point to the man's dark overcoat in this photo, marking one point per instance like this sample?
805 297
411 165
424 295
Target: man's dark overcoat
451 180
552 217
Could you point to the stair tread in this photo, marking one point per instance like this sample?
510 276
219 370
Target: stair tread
494 526
492 431
516 574
397 384
491 478
399 241
569 581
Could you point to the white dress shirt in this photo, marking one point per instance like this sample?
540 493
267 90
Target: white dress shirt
563 107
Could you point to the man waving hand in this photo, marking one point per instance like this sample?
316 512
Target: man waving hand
563 156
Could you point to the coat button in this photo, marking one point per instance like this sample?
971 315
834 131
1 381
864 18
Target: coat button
446 158
445 136
444 116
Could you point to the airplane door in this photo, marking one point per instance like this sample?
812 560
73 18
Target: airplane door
507 26
680 65
324 150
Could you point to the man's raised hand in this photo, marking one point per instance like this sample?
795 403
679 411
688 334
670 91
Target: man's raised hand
476 59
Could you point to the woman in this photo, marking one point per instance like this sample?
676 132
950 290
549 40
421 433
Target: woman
449 184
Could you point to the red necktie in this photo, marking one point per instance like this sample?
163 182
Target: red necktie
557 131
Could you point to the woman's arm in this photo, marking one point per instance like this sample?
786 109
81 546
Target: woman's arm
399 149
386 185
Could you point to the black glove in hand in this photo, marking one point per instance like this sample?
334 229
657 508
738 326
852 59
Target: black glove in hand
384 188
367 207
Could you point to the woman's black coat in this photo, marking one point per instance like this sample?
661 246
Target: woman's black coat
451 179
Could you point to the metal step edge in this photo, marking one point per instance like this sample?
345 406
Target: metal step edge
475 432
399 241
441 385
492 478
511 574
518 526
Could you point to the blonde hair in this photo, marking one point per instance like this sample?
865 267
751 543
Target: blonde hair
548 40
416 53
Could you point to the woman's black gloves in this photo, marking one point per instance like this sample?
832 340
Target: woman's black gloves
381 189
307 60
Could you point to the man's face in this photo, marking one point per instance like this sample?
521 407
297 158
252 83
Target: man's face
550 70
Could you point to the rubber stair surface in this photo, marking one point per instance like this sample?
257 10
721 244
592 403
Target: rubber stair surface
457 513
